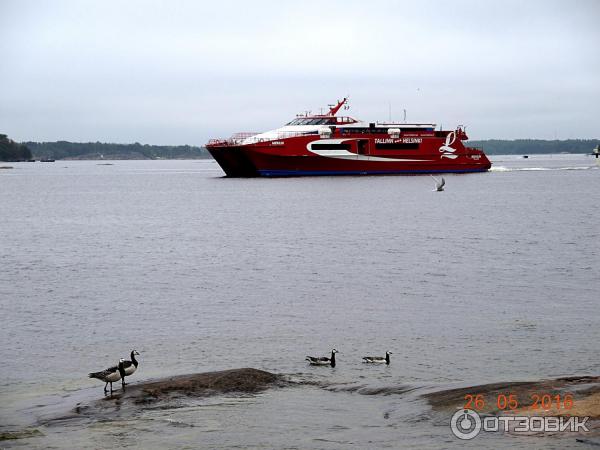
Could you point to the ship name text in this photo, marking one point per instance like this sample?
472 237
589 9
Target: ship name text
399 141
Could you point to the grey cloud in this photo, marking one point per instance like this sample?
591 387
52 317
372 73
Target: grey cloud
180 73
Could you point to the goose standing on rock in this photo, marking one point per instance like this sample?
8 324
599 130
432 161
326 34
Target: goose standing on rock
110 375
130 366
378 359
323 360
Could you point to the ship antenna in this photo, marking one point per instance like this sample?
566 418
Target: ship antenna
404 115
390 112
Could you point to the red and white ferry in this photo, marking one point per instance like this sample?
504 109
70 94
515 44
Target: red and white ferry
327 144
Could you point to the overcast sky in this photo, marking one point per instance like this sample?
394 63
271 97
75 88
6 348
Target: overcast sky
178 72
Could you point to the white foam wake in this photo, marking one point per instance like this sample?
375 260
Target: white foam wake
534 169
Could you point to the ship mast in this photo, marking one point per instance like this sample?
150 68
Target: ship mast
336 108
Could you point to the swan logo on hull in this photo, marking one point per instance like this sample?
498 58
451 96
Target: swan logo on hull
446 150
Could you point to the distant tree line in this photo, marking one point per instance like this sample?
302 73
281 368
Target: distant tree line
533 146
13 151
98 150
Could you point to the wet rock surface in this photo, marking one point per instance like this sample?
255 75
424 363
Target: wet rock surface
583 400
199 384
583 389
168 393
20 434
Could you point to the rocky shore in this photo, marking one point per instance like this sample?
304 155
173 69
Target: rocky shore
576 396
170 391
199 384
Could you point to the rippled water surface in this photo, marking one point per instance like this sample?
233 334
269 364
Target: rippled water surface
495 279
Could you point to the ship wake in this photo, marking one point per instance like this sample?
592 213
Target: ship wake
538 169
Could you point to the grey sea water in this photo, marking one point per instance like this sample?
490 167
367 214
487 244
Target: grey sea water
495 279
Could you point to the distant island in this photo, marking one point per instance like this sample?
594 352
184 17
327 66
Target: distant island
13 151
99 150
534 146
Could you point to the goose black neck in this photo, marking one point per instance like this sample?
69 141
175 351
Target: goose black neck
332 359
387 358
121 370
133 360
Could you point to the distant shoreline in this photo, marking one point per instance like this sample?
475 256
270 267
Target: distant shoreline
64 150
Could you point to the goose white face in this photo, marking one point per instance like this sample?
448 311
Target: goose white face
135 352
334 351
388 353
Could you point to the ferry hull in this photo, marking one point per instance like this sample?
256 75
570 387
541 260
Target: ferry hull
244 161
234 161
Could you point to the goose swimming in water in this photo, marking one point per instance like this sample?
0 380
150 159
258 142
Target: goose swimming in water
130 366
323 360
110 375
378 359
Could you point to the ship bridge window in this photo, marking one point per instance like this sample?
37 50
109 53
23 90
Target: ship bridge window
327 121
298 121
320 122
312 121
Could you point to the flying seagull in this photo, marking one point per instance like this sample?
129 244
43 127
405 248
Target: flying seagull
439 184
